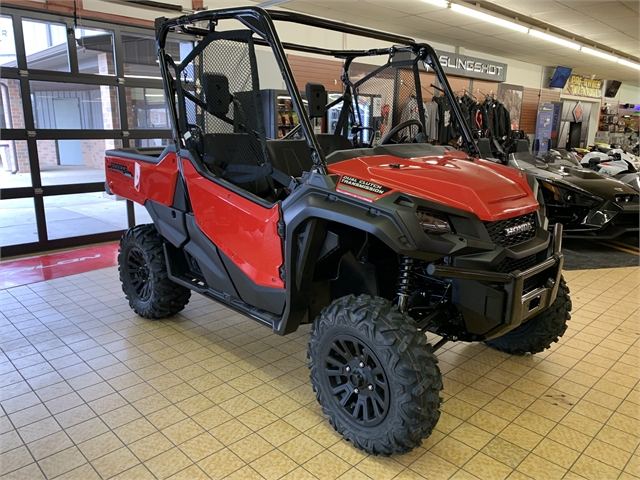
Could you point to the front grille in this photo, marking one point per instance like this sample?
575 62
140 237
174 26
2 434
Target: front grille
498 235
511 264
628 220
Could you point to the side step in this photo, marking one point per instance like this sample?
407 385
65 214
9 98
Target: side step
196 283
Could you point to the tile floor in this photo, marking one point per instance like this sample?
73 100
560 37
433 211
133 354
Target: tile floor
89 390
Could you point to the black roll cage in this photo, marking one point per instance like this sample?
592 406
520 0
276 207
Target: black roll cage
261 23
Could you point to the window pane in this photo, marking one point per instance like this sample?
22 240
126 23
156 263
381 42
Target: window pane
11 113
146 108
72 106
15 172
140 54
45 45
17 222
150 142
95 51
7 45
83 214
73 161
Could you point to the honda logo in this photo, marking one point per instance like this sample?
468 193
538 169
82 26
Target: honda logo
510 231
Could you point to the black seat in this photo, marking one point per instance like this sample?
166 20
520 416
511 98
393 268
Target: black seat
291 157
484 145
522 145
326 141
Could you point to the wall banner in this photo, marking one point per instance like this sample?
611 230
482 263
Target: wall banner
582 86
465 66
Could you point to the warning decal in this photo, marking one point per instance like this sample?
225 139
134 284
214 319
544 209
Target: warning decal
364 185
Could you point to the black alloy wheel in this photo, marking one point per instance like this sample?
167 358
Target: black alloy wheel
139 274
357 380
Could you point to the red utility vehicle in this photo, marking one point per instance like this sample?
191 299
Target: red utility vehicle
370 233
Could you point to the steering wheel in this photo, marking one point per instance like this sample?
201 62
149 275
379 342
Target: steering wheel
394 131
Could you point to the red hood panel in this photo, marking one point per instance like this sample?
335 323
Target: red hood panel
491 191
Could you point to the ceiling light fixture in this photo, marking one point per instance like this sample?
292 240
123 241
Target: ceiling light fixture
438 3
488 18
597 53
627 63
551 38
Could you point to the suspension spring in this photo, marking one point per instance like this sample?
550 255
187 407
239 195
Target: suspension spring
406 281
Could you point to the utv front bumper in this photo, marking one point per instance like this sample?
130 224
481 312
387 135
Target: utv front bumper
494 303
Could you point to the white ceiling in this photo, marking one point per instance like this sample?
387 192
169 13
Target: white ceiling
614 24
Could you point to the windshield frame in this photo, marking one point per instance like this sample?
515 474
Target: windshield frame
261 23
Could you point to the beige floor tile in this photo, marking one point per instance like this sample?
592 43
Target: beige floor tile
100 445
9 441
352 455
251 447
16 459
201 447
324 434
115 462
303 419
168 463
447 423
503 409
166 417
505 452
135 430
471 436
618 438
278 433
257 418
569 437
488 421
182 431
625 423
556 453
150 446
61 462
521 437
211 418
593 469
537 467
608 454
84 472
139 472
459 408
325 466
245 473
581 423
383 468
453 451
437 468
302 449
483 466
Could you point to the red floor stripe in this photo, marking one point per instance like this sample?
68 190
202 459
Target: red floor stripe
24 271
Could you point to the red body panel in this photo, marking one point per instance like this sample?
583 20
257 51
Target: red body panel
244 230
492 192
140 181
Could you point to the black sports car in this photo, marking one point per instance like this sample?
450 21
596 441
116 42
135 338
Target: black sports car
586 203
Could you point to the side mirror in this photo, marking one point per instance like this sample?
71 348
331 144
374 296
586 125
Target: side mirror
317 97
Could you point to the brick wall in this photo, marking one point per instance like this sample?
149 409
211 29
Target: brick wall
16 153
47 152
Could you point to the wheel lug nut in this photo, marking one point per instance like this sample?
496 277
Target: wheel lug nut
355 390
361 364
347 368
370 387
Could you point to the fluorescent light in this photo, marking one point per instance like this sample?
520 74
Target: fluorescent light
437 3
551 38
488 18
627 63
597 53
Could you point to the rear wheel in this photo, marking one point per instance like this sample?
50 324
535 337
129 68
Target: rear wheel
143 274
374 374
538 333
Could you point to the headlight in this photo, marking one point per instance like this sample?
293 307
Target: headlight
572 197
433 222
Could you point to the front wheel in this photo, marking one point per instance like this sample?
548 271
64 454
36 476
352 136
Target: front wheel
143 274
374 375
539 332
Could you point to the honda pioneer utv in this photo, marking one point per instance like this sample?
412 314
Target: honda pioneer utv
370 233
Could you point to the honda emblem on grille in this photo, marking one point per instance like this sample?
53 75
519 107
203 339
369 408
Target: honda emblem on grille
524 227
